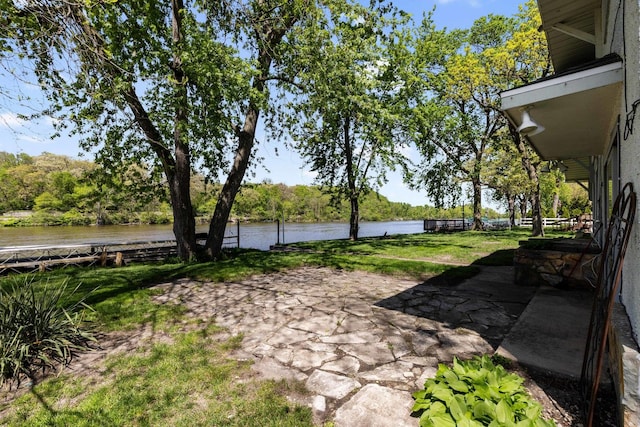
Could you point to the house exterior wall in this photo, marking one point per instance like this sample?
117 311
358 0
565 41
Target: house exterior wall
622 36
625 23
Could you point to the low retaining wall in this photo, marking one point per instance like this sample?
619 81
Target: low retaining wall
556 262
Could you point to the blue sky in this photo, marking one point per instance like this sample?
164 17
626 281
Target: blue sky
282 166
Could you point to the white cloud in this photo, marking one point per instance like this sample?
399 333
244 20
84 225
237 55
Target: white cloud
32 139
10 120
472 3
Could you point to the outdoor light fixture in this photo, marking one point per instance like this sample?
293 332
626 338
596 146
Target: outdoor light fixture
528 126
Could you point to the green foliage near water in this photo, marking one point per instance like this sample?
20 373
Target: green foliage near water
51 189
476 393
56 190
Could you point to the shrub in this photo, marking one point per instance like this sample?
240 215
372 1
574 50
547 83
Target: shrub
155 218
476 393
36 332
74 217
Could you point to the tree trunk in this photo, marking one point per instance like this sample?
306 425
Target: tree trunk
511 200
536 211
267 38
184 227
178 173
522 204
477 205
556 199
536 215
354 217
230 189
532 173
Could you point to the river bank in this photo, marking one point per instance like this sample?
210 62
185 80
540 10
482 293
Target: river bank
252 235
28 218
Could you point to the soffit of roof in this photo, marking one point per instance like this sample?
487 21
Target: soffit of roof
577 169
574 170
568 51
576 108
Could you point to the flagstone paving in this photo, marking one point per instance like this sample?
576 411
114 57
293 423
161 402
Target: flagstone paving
360 342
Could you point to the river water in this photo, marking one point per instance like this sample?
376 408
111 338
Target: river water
258 236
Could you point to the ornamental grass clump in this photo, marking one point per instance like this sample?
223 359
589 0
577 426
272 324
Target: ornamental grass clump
37 332
476 393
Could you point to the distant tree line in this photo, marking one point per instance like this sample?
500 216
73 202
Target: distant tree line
59 190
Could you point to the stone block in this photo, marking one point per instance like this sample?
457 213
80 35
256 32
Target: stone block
331 385
553 267
379 406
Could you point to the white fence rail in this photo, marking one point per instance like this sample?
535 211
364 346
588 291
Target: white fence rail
575 223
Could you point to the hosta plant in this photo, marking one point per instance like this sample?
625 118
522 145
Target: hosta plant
476 393
37 332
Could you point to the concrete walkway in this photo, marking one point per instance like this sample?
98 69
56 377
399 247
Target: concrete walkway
551 333
360 342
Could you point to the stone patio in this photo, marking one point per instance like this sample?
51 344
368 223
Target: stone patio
360 342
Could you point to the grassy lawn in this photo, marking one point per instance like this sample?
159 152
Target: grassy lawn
461 247
189 381
189 378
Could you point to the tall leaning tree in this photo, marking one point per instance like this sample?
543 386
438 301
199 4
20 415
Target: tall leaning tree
461 123
346 113
176 85
522 58
507 178
456 125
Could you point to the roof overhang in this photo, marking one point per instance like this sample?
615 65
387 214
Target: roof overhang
572 29
575 170
577 109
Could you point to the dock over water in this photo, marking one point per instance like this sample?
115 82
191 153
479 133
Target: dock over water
34 258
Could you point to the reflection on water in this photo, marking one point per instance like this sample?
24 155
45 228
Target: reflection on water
258 236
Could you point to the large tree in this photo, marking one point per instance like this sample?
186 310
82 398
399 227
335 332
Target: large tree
176 85
346 116
457 124
461 121
506 176
523 58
